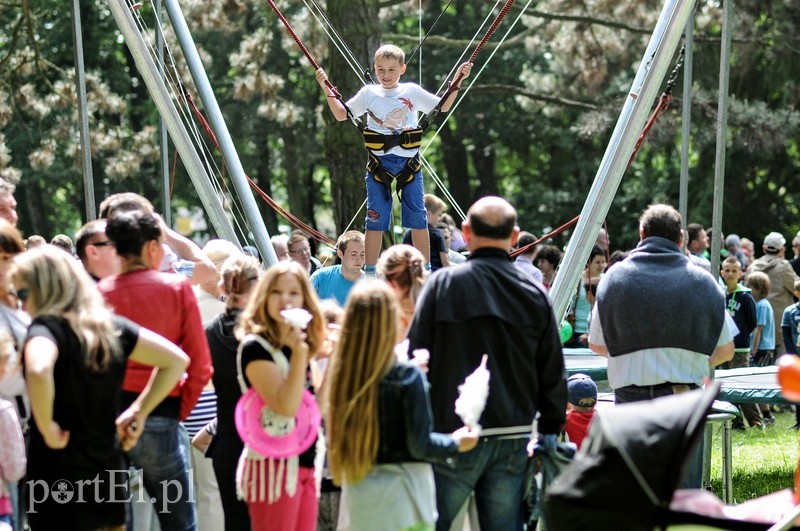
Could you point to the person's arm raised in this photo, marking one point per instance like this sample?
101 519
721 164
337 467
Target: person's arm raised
336 106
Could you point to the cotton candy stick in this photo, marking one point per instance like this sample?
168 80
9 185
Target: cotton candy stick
472 395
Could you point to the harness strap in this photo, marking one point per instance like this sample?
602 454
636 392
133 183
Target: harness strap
402 178
375 141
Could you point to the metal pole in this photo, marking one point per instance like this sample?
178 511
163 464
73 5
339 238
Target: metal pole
722 130
83 113
686 119
643 92
163 135
238 176
158 91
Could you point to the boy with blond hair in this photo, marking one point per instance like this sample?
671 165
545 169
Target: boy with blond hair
392 139
762 344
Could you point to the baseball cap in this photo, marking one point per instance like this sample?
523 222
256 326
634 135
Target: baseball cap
774 241
581 390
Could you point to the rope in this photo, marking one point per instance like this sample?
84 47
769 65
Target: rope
559 230
455 84
422 41
291 218
661 108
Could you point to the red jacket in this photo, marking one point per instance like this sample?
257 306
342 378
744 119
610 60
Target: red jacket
165 304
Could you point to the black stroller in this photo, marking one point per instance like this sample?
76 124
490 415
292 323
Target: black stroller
626 474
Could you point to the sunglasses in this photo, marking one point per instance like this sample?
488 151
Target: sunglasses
102 243
22 294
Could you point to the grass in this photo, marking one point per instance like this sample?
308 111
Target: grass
764 461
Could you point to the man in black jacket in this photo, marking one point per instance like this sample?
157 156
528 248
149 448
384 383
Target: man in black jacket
487 306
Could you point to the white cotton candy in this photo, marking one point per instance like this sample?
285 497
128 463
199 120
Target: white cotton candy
297 317
472 395
401 351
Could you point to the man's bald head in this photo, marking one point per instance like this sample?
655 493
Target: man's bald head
492 217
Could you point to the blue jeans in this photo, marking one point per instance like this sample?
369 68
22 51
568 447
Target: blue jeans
495 470
164 462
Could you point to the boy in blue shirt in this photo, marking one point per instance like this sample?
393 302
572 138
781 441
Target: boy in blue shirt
762 344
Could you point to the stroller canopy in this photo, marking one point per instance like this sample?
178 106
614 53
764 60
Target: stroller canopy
630 464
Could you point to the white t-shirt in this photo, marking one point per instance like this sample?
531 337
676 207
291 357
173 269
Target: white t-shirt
390 111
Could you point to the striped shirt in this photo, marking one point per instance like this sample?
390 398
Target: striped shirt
203 413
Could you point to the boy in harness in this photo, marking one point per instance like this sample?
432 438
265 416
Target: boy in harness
392 138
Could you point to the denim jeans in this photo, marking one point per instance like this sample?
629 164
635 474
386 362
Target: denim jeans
164 462
495 470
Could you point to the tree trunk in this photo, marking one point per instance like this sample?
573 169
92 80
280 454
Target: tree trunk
455 162
344 149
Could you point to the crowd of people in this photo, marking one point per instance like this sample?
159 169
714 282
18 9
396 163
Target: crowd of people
124 359
122 362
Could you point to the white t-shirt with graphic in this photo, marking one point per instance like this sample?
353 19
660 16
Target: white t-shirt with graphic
390 111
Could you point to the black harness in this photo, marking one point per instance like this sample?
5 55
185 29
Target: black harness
374 141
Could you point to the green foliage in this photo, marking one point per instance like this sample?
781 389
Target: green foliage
533 128
764 461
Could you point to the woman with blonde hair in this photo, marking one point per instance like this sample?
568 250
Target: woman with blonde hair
77 350
274 357
379 422
403 268
239 276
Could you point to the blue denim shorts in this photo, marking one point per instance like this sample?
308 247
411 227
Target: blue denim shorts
379 199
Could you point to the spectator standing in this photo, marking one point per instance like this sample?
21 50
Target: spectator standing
163 452
762 344
300 251
75 358
386 478
697 245
454 256
581 401
280 243
403 268
524 260
742 307
12 451
790 329
274 360
660 320
96 251
239 276
781 280
547 259
8 205
486 307
439 258
335 282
